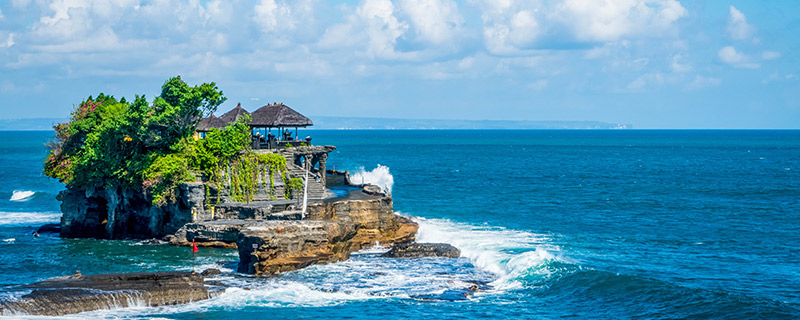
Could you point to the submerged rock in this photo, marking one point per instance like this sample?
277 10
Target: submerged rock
80 293
418 250
49 228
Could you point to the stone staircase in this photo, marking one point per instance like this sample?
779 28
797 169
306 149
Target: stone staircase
316 190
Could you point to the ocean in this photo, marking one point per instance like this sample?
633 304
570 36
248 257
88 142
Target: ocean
603 224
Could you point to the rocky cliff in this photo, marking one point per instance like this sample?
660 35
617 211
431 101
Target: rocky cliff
333 230
117 213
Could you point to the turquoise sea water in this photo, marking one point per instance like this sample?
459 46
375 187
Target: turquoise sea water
551 224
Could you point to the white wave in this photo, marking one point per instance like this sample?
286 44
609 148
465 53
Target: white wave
509 254
22 195
380 176
9 240
260 293
28 218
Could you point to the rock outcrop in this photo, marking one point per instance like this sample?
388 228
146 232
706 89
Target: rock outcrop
419 250
332 232
80 293
271 247
117 213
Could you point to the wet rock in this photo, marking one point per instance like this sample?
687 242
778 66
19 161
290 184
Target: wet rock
332 232
271 247
80 293
49 228
372 189
214 233
211 272
418 250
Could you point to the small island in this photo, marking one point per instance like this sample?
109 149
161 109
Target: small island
170 169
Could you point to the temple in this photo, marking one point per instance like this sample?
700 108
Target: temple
299 153
276 116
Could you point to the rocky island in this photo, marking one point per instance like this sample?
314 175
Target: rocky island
170 169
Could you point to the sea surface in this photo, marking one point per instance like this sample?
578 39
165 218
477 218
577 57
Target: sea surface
608 224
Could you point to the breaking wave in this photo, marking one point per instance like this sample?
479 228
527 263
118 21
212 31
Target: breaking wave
380 176
22 195
513 256
493 258
28 218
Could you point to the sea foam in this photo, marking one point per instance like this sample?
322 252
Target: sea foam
509 254
380 176
28 218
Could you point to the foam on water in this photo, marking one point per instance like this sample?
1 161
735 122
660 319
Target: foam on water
22 195
380 176
28 218
510 255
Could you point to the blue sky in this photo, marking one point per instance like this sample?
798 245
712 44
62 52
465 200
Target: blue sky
648 63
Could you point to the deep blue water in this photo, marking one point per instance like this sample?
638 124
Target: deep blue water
552 224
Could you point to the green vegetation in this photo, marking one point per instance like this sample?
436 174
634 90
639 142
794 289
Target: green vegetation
150 146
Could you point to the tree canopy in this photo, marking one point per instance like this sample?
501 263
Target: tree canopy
143 145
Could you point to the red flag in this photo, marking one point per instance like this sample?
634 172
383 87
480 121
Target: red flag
194 247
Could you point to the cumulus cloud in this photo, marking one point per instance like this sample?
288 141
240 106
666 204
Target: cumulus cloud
601 21
372 29
436 22
738 28
512 26
735 58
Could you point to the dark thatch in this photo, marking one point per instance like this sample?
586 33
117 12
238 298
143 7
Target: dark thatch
209 123
278 115
234 114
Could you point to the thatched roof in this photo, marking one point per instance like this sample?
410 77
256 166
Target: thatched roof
278 115
207 124
234 114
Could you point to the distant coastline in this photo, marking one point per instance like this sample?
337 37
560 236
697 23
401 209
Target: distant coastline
30 124
357 123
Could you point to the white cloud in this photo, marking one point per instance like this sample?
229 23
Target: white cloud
372 30
737 59
601 21
9 41
700 82
20 4
271 16
646 79
770 55
434 21
511 27
738 28
678 65
1 14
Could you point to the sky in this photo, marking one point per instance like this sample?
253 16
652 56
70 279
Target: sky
646 63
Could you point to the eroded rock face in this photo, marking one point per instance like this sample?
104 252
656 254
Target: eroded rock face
332 232
419 250
374 220
271 247
117 213
215 233
79 293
